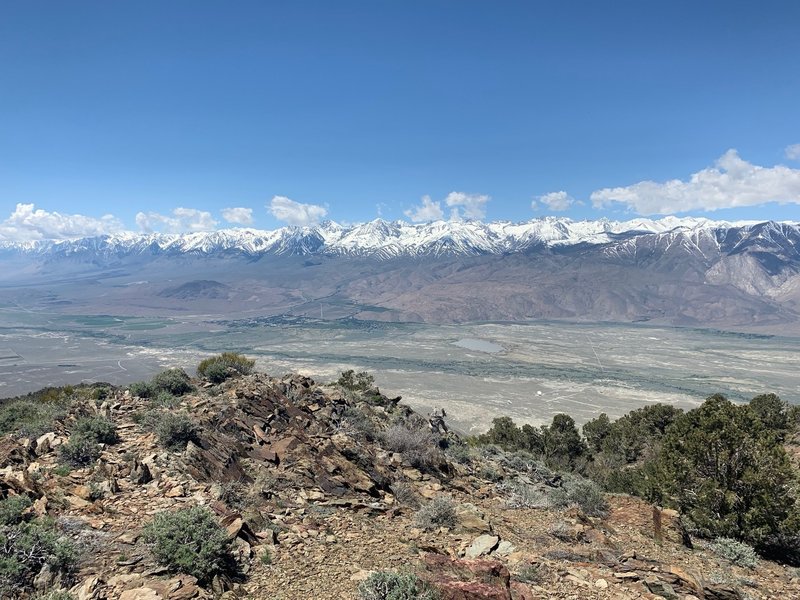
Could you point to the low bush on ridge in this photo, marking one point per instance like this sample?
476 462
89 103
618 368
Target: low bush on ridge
174 381
439 512
388 585
189 541
98 429
174 431
219 368
417 445
28 544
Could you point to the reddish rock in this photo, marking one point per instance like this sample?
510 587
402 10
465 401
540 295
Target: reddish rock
520 591
471 590
467 579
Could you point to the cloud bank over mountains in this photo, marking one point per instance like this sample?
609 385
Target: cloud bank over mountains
555 201
296 213
238 215
29 223
461 205
182 220
731 182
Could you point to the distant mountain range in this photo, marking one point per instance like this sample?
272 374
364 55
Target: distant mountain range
685 271
385 239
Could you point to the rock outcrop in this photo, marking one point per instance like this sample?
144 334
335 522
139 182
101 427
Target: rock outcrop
303 482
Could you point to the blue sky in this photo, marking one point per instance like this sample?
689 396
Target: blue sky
293 112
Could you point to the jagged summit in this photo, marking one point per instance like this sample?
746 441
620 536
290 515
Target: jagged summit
386 239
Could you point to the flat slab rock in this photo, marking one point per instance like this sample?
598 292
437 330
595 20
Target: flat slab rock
482 546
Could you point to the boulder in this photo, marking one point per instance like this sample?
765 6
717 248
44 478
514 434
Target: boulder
45 443
465 579
505 548
142 593
88 590
471 520
482 546
661 588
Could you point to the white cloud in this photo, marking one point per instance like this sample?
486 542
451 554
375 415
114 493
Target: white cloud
472 205
793 152
731 182
182 220
29 223
238 215
554 201
295 213
427 211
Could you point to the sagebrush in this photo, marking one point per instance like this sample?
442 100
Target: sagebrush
219 368
174 431
439 512
28 544
189 541
388 585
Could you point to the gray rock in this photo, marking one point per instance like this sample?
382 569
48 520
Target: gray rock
482 545
661 588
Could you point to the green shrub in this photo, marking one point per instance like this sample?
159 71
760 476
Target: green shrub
356 382
531 573
61 470
736 552
30 418
728 474
520 494
505 433
387 585
439 512
79 451
142 389
459 452
165 399
358 421
174 431
189 541
174 381
583 493
417 445
147 419
219 368
54 595
28 544
98 429
12 509
217 373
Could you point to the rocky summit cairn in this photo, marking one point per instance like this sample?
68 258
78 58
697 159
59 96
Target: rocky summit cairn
262 487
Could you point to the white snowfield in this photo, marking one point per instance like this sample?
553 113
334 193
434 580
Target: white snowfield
385 239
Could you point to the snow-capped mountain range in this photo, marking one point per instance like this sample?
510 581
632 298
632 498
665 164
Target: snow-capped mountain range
686 271
384 239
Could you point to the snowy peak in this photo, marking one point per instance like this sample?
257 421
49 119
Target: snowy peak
384 239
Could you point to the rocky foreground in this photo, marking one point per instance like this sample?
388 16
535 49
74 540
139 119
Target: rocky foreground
303 480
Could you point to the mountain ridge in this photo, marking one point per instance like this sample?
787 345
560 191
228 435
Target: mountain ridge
308 490
685 272
387 239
